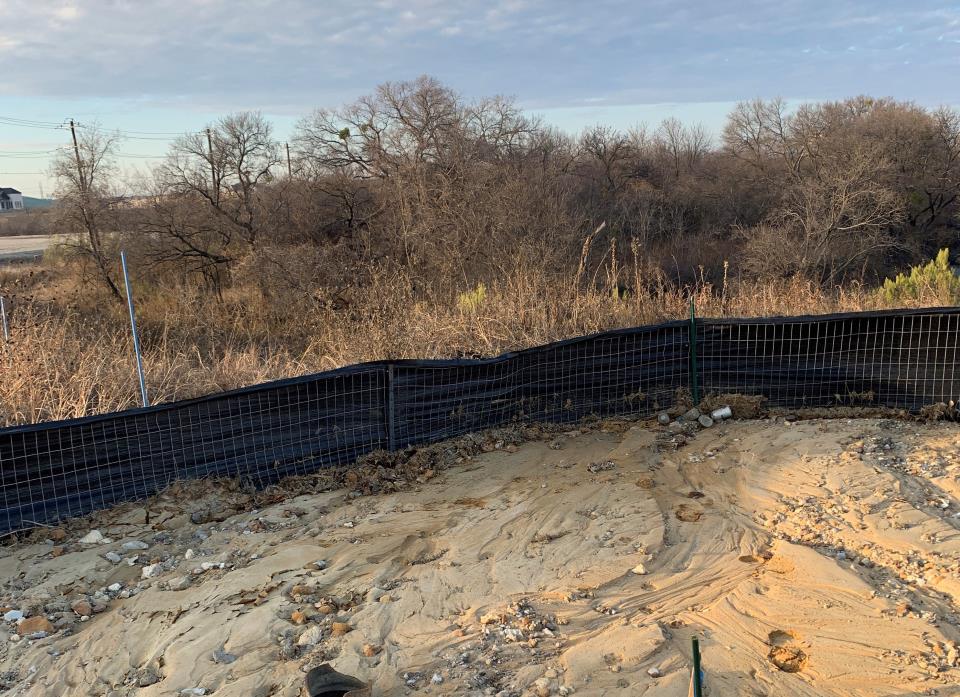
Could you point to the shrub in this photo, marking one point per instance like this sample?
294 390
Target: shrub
932 280
471 300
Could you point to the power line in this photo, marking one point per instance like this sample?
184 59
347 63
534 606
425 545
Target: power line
24 123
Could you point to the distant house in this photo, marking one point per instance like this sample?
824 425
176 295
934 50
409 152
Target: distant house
10 200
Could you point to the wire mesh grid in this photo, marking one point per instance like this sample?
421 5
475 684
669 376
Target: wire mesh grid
53 471
58 470
896 360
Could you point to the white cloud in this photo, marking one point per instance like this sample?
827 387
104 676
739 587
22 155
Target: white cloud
66 13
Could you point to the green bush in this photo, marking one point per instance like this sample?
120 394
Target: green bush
932 280
472 299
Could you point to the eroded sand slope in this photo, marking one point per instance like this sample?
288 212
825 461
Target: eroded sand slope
581 562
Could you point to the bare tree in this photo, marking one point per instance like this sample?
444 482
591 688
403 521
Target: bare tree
87 195
226 166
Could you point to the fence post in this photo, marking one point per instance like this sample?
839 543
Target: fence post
133 328
696 679
391 411
694 377
3 320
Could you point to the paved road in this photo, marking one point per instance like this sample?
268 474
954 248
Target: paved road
24 247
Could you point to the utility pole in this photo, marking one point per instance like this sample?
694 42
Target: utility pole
76 151
289 169
213 169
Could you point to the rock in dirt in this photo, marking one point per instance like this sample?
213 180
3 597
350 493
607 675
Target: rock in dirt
663 418
222 657
94 537
180 583
113 557
82 607
34 625
371 650
311 636
705 421
692 415
147 678
654 672
12 616
134 545
640 570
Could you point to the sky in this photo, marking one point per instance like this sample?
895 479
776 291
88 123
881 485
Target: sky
154 69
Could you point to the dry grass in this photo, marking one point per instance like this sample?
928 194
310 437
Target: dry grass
71 353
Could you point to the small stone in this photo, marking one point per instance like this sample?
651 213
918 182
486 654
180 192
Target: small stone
386 599
541 687
14 638
94 537
34 625
113 557
318 565
326 608
222 657
348 524
82 607
114 587
436 679
180 583
663 418
640 570
189 554
340 628
692 415
193 691
371 650
134 545
298 617
57 551
654 672
147 678
705 421
57 534
13 616
151 570
311 636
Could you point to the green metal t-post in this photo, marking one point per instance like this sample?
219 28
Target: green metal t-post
697 676
694 384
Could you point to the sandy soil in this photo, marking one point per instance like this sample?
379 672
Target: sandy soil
815 558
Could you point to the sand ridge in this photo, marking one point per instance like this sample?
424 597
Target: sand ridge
818 558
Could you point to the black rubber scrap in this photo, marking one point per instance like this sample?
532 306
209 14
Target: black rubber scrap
324 681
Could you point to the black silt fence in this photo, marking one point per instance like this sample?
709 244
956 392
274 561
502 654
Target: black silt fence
57 470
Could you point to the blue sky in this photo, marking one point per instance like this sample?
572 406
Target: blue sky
173 66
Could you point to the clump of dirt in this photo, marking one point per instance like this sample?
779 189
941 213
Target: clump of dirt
688 514
743 406
786 652
941 412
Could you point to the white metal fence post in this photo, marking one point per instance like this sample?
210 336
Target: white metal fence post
133 328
